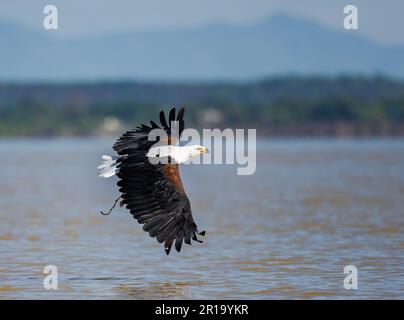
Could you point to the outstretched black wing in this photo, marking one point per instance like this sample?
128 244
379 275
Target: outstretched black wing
154 193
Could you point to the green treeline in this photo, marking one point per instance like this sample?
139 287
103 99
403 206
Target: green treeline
287 105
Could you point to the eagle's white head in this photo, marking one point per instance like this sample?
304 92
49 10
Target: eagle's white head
180 154
183 154
196 150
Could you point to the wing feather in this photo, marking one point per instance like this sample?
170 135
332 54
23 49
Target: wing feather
171 116
163 120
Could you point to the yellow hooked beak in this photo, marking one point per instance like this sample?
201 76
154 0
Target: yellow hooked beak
203 150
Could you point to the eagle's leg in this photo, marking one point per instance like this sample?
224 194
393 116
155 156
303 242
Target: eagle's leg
112 208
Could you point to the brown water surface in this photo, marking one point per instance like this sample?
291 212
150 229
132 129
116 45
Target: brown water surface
312 207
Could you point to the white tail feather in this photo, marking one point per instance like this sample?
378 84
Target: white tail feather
108 167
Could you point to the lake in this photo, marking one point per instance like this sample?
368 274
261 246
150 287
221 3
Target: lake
312 208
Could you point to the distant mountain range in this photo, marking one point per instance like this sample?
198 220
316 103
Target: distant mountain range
279 45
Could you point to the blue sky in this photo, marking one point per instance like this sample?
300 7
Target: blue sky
379 20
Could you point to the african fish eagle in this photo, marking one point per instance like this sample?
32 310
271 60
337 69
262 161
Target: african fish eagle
151 190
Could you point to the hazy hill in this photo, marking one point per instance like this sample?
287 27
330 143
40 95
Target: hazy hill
281 44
